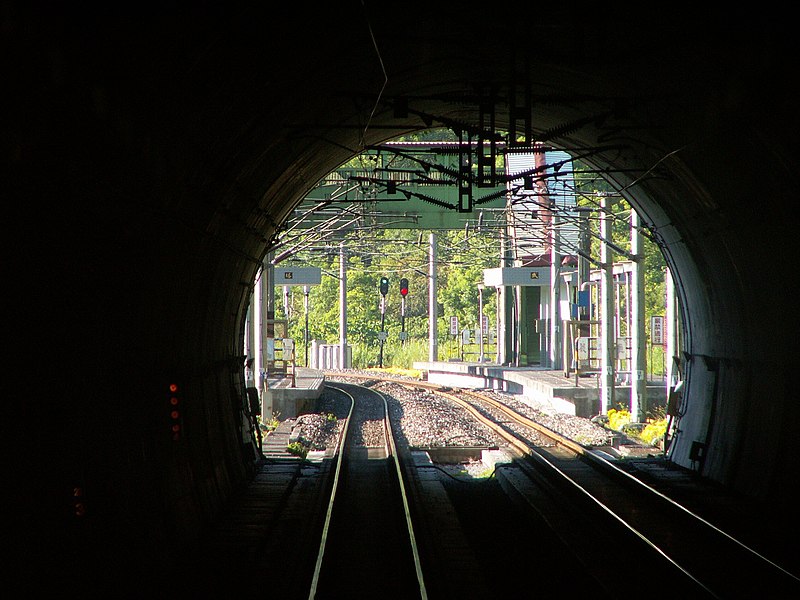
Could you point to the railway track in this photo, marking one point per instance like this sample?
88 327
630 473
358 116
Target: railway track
466 535
553 519
640 534
368 537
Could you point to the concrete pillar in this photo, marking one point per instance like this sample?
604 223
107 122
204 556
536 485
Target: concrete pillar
306 292
342 306
433 347
638 342
607 325
505 314
555 294
480 322
500 299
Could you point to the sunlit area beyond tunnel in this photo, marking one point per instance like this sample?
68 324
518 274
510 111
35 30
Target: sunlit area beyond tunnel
446 248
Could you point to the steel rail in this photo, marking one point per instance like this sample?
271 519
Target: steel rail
625 477
326 527
554 471
527 449
393 453
390 450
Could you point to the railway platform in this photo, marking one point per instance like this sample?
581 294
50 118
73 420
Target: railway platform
546 389
288 395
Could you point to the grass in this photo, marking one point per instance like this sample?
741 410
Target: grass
297 449
652 432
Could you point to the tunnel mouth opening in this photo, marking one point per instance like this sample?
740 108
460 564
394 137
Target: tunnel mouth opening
363 199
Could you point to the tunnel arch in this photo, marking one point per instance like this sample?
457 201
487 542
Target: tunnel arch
155 155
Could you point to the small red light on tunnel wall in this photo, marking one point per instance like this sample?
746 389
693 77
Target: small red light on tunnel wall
175 412
78 502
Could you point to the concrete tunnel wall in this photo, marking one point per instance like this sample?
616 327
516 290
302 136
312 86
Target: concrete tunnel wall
153 154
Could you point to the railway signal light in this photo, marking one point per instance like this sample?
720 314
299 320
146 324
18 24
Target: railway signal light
175 409
384 286
404 287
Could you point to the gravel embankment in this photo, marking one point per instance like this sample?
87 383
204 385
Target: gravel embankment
427 420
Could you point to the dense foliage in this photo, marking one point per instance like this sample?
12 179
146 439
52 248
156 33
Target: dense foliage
395 254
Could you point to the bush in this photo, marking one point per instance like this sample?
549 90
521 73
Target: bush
650 433
617 419
297 449
271 424
654 431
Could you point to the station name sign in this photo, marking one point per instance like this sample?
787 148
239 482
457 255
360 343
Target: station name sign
516 276
298 275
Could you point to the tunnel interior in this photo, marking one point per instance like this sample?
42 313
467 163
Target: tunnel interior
154 154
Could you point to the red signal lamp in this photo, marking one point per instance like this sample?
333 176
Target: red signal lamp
175 416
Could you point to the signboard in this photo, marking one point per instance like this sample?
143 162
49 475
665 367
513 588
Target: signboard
453 325
298 275
516 276
583 348
382 335
657 330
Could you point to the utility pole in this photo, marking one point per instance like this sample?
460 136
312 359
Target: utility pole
342 306
607 310
433 350
384 288
555 293
306 290
638 347
403 294
480 320
402 321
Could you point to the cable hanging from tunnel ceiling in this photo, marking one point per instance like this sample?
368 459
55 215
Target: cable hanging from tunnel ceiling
658 162
385 78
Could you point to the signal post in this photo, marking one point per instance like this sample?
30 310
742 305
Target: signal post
403 294
384 289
